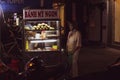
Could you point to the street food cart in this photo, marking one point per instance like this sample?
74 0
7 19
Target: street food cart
41 34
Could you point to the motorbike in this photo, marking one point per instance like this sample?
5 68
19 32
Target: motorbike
35 69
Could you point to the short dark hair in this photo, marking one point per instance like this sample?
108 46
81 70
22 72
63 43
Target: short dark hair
73 23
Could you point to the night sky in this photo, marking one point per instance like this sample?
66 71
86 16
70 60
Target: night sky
14 6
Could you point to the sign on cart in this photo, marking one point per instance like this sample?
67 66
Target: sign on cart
40 14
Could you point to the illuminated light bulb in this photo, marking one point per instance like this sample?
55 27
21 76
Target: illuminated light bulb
30 64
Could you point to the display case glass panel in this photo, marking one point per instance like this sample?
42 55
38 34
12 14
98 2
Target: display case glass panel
42 35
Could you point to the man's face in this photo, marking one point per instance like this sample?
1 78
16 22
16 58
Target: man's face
71 26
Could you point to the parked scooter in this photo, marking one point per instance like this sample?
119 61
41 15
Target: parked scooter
35 69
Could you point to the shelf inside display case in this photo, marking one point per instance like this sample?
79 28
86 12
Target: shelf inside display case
42 45
41 25
41 36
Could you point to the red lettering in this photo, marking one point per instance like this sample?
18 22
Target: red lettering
27 14
33 14
54 13
51 14
40 13
46 14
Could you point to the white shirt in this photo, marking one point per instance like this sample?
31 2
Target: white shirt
73 40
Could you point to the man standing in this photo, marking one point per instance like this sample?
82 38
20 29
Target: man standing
73 47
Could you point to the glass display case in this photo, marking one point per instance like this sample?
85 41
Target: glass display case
41 35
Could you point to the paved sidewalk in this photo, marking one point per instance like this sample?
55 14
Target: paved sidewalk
96 59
